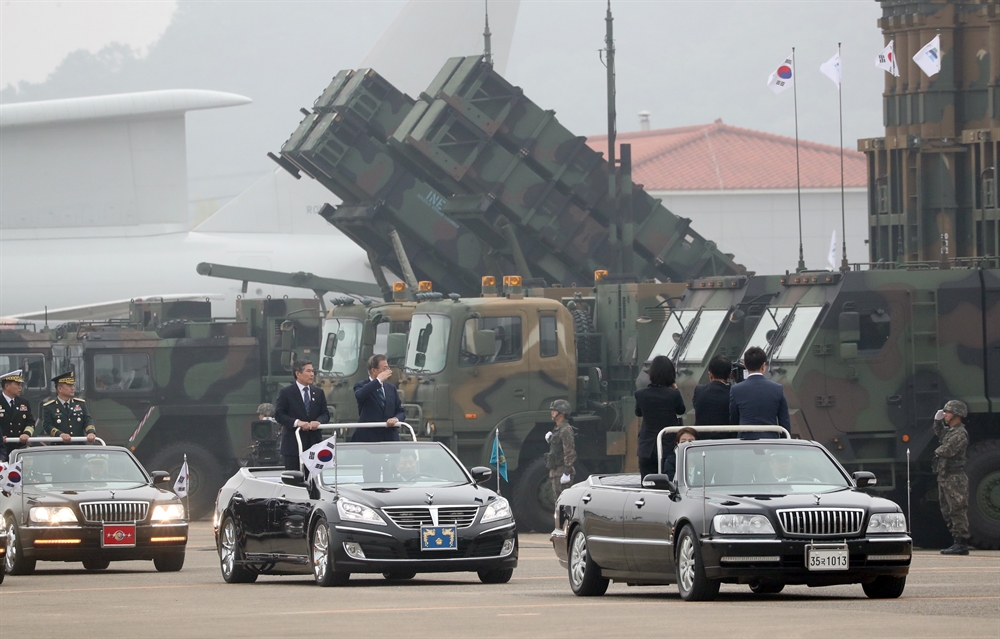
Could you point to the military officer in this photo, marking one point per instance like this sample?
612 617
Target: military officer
17 423
67 416
562 447
953 483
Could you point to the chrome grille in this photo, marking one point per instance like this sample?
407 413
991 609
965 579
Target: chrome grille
821 522
413 517
114 511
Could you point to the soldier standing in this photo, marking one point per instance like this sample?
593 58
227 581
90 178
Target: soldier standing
949 464
17 423
67 416
562 448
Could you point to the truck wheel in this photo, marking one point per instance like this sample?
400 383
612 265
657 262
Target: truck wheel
534 501
205 469
983 468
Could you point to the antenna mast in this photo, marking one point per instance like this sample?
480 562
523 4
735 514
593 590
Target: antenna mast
488 49
609 53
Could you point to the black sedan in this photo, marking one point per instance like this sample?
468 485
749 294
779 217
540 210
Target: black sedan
396 508
775 512
94 504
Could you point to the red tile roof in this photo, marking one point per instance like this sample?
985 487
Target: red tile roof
718 156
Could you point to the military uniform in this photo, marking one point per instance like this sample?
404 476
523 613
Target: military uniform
562 453
953 483
15 417
70 417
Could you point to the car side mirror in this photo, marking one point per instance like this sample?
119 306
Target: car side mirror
481 474
658 481
160 477
864 478
293 478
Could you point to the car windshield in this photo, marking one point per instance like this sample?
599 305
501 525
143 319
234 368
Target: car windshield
341 346
427 344
87 470
762 469
392 465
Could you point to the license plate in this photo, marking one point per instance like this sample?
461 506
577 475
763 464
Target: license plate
118 535
833 557
438 537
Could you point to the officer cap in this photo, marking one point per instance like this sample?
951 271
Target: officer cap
64 378
956 407
13 376
561 406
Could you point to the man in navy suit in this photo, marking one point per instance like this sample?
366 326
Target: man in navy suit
300 406
378 401
757 400
711 400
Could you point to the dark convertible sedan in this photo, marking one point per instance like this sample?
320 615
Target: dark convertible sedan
774 512
396 508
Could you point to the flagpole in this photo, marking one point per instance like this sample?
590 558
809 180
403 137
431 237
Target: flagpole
844 266
498 459
187 489
798 176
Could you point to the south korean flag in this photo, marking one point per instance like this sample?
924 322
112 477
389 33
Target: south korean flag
10 478
182 484
318 457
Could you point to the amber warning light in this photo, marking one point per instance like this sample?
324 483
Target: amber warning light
424 286
398 287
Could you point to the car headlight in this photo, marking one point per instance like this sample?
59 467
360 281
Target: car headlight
498 509
742 525
52 515
887 523
167 512
354 511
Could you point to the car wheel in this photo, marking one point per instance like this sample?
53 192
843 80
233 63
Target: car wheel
758 588
885 587
584 574
322 558
15 562
692 583
500 576
96 564
206 474
400 575
169 562
230 556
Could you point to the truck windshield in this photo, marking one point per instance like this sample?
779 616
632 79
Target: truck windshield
768 469
666 343
427 344
767 328
703 329
341 346
797 330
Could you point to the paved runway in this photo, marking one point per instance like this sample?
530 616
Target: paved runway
944 597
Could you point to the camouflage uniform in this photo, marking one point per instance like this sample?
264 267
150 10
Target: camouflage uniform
953 484
562 453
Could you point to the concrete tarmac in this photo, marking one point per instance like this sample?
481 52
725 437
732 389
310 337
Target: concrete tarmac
944 597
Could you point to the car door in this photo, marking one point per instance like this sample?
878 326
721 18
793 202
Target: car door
649 544
250 508
289 517
603 511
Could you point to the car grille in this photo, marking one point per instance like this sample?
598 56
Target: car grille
115 511
821 522
413 517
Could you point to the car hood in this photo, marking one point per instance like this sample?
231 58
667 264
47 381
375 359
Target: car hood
467 495
838 499
137 493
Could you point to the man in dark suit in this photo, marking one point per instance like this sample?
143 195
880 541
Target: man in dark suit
300 406
757 400
711 400
378 401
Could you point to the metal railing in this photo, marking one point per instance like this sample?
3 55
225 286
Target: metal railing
56 440
782 434
298 438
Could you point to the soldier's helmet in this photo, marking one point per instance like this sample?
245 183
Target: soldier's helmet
956 407
561 406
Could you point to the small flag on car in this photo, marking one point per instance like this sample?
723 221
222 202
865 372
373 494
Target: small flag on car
318 457
10 478
498 458
183 479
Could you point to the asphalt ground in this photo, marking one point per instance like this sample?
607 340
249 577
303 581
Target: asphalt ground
944 597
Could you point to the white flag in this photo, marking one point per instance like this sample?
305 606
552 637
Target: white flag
886 60
10 477
781 78
183 479
318 457
831 258
831 68
929 58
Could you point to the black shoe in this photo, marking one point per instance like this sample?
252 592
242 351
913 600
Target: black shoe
960 547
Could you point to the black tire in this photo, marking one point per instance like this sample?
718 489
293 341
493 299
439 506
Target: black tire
206 473
766 589
3 573
585 578
983 468
96 564
15 562
587 348
169 562
500 576
400 575
321 551
534 501
885 587
230 555
692 584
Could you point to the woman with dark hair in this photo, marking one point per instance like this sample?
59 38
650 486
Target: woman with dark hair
659 406
684 435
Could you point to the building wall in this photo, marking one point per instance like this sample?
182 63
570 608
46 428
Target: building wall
761 227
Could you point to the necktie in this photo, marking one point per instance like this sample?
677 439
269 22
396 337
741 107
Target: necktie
305 397
381 395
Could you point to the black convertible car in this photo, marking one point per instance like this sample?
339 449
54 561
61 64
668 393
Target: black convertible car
94 504
396 508
775 512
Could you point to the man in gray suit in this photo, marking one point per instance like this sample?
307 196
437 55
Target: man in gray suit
758 400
